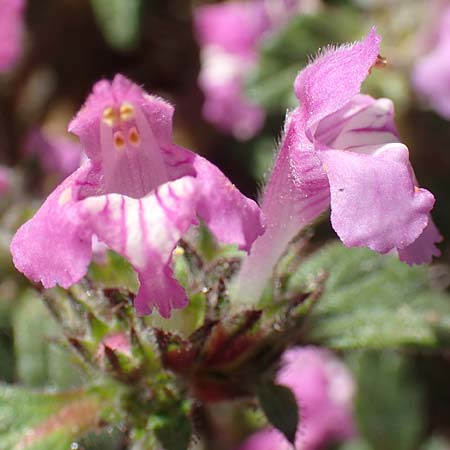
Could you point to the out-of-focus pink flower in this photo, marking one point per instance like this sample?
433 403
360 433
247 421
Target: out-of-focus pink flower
229 35
117 342
138 193
341 148
323 388
11 32
431 75
57 155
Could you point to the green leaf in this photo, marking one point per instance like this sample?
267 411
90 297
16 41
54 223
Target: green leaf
281 408
388 402
284 54
372 300
173 429
119 21
356 444
114 272
32 420
40 360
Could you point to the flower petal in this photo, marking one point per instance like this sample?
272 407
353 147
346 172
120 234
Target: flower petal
362 125
232 217
54 247
323 387
56 155
145 231
374 202
11 30
422 250
297 193
235 27
332 79
124 128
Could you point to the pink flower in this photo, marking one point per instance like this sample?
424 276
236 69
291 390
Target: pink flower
431 75
57 155
323 388
117 342
341 148
11 31
138 193
229 35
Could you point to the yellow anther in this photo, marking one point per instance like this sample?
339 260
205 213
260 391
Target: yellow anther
126 111
109 116
119 140
133 137
179 251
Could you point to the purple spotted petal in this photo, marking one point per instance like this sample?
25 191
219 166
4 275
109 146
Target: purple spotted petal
11 31
323 388
145 231
54 247
374 202
422 250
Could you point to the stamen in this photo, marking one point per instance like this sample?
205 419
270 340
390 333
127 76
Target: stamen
109 116
380 63
133 137
126 111
119 140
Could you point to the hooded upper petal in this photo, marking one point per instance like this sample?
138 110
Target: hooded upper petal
122 128
54 247
335 77
145 231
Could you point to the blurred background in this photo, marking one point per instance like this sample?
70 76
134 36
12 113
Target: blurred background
231 84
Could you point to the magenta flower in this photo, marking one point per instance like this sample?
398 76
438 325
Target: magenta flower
57 155
431 76
11 31
341 148
138 193
229 35
116 342
323 388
